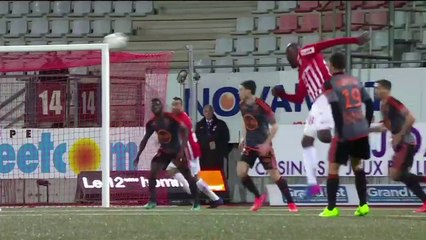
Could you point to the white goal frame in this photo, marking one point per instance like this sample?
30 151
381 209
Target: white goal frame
105 85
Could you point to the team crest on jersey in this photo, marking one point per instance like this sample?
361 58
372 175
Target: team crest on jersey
307 51
251 122
164 136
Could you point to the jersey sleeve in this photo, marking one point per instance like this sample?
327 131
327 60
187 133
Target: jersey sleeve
398 106
270 116
149 129
300 94
318 47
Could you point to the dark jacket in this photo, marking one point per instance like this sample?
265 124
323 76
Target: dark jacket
219 133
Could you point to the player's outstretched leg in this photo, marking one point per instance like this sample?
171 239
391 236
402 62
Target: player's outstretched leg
192 186
242 172
361 188
332 187
216 201
310 162
283 186
155 169
413 183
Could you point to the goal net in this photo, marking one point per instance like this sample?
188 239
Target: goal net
51 111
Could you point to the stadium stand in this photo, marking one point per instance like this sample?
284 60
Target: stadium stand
39 8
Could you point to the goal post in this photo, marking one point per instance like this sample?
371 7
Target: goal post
97 55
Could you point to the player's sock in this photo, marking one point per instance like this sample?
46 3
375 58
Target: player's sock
152 190
283 186
332 187
361 186
413 184
192 185
249 184
310 162
178 176
203 187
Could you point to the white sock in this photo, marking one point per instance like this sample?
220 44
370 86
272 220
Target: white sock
310 163
206 190
178 176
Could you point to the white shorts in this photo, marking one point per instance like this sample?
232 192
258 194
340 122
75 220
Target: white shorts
194 166
320 117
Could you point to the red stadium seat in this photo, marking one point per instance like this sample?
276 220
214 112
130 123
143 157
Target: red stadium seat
287 24
355 4
373 4
326 6
306 6
399 4
357 18
308 23
329 18
379 19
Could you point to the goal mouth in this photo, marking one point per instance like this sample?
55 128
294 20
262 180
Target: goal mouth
51 118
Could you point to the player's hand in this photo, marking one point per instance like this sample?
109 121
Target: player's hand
241 144
396 140
363 38
277 91
264 148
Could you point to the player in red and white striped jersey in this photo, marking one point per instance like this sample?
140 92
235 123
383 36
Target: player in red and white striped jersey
313 72
193 152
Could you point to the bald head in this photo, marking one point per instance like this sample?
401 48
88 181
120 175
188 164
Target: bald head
292 51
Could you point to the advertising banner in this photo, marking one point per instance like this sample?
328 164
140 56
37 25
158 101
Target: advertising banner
134 186
385 194
64 153
221 91
288 152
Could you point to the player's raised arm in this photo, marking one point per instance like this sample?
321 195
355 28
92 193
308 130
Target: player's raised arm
369 109
298 97
318 47
142 145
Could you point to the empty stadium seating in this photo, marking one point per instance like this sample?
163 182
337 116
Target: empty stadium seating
306 6
287 24
286 6
19 8
101 8
264 6
121 8
266 24
39 27
266 45
39 8
331 22
61 8
244 25
100 27
246 61
378 20
308 23
243 46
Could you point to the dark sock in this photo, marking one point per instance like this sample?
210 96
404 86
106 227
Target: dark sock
192 185
249 184
361 186
285 191
332 187
412 183
421 179
152 190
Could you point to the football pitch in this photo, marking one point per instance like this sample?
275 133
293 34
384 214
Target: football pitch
222 223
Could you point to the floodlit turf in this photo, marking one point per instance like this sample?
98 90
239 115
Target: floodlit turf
223 223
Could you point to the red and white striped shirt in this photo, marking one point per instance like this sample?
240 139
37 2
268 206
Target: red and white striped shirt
194 150
313 70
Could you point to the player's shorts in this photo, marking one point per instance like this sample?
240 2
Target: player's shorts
165 159
319 118
404 157
340 152
194 166
268 161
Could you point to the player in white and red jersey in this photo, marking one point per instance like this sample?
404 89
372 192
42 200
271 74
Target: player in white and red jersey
193 153
313 72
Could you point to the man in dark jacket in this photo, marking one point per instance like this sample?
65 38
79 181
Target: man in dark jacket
213 136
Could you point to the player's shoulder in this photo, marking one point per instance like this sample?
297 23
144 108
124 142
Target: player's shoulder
171 116
394 102
262 104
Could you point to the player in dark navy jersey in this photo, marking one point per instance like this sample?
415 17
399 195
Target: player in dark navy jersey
399 121
173 137
346 95
257 143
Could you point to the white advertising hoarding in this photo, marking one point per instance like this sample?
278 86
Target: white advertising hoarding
288 152
221 91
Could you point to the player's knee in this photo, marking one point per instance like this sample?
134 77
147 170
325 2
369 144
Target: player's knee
356 164
395 174
307 141
324 136
275 175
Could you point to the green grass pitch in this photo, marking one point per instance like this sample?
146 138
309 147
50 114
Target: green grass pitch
222 223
